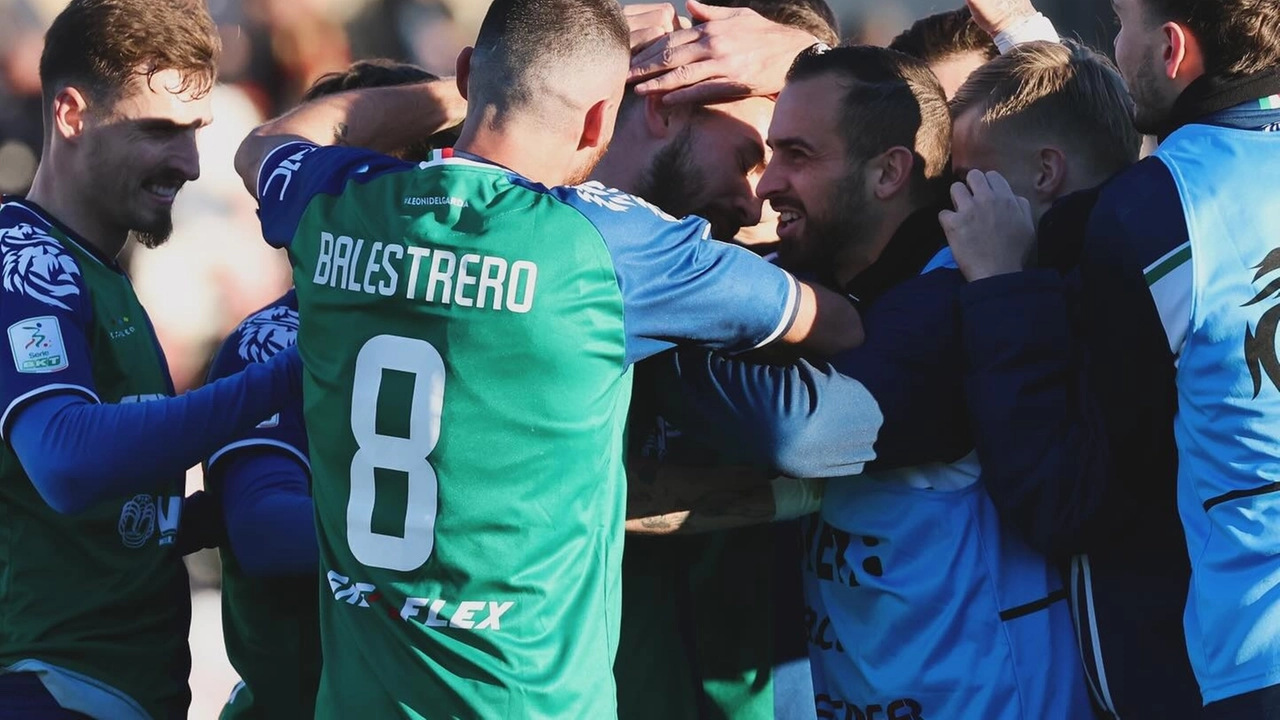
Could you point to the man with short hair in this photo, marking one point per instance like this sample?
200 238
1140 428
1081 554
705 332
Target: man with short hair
909 562
262 480
1173 337
951 43
468 328
682 652
1057 122
96 604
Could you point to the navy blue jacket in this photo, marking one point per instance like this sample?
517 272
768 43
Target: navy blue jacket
1071 391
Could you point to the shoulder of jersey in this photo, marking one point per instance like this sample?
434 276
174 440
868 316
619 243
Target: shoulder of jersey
32 261
268 331
594 199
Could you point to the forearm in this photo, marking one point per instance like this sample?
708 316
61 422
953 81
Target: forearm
380 119
826 323
269 513
1039 435
681 499
79 453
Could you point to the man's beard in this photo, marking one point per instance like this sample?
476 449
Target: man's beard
832 234
672 182
155 236
582 173
1148 119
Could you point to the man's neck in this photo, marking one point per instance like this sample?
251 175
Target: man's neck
531 153
70 210
867 244
619 168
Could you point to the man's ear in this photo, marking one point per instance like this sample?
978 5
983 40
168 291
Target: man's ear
1051 174
462 70
661 120
69 111
1183 59
891 172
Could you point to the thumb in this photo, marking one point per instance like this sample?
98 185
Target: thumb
701 13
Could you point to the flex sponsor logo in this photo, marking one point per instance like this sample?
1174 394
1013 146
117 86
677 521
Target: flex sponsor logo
830 708
432 612
838 556
37 345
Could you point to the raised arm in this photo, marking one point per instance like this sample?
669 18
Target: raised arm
378 119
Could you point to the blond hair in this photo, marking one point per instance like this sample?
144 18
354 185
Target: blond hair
1064 92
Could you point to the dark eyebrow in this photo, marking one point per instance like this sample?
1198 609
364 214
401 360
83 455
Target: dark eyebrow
163 124
791 144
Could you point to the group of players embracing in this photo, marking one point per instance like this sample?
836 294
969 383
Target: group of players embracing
951 405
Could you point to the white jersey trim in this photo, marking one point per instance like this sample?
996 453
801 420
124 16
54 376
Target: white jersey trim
4 418
260 442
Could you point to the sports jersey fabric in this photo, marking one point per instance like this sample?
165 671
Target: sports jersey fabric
468 337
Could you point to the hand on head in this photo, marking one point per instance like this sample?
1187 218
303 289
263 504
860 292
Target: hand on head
990 231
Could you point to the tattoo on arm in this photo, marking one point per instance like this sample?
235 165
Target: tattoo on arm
340 132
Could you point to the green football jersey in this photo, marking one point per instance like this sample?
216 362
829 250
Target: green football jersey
468 337
97 602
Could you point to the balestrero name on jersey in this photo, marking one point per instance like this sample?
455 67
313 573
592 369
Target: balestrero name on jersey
432 275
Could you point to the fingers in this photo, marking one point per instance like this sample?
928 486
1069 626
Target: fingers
629 11
660 56
961 197
998 184
642 37
978 184
683 76
948 219
706 13
707 91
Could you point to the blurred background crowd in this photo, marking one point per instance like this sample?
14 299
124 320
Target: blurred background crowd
216 269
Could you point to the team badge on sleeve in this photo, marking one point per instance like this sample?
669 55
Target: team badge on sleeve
37 345
597 194
266 333
35 265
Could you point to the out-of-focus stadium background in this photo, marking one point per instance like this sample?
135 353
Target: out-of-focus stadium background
217 269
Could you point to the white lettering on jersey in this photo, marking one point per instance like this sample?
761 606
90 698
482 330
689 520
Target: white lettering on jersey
434 275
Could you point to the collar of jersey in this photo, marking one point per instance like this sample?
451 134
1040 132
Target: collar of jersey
72 235
449 156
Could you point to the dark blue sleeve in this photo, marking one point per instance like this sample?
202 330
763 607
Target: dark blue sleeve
45 308
679 286
270 518
294 173
263 476
78 453
256 340
1071 380
896 401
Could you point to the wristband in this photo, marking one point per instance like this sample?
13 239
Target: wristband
793 497
1032 28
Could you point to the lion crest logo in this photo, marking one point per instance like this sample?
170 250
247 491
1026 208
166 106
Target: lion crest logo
597 194
137 521
1260 341
35 265
267 332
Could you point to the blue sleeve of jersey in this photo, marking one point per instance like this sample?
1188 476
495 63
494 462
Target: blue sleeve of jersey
896 401
677 285
270 518
1071 380
256 340
45 308
294 173
78 453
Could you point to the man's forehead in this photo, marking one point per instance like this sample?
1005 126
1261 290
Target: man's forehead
754 111
810 105
167 94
